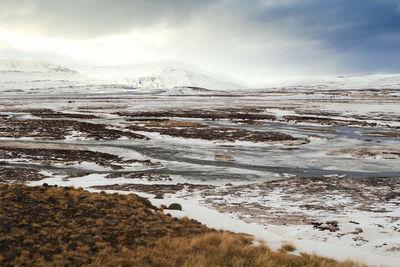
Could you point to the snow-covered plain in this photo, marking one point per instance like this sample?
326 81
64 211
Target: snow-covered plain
243 186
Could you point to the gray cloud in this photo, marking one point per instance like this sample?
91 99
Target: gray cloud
92 18
250 40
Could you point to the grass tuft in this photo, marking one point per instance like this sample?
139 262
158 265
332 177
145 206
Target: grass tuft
288 247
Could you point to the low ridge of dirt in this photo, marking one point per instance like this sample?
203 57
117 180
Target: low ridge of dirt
49 113
242 113
71 226
19 175
60 129
67 156
217 133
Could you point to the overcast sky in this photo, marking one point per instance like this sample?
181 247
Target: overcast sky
249 41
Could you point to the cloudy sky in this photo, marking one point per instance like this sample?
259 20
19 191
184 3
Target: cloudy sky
249 41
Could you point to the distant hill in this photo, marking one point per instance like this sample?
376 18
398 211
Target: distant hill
172 77
373 81
165 79
40 77
31 66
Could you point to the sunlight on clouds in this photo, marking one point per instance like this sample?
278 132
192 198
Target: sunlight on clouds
231 54
135 47
247 40
274 3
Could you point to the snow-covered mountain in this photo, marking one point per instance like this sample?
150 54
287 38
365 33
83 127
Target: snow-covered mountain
171 78
32 66
374 81
40 77
165 79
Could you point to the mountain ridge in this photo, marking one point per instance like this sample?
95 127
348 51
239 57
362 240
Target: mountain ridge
32 66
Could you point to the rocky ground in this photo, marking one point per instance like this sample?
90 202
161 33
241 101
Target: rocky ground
322 165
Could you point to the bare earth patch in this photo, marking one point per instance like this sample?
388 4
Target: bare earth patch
29 145
327 121
319 130
67 157
156 189
218 133
60 129
49 113
303 195
383 134
10 175
140 175
369 152
241 113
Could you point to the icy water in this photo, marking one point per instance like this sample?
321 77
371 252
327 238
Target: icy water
195 160
261 182
332 150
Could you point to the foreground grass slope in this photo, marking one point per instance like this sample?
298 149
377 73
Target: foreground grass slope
42 226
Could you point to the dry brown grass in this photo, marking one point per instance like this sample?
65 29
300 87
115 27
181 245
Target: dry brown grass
102 107
53 226
319 130
211 249
170 123
288 247
383 134
70 227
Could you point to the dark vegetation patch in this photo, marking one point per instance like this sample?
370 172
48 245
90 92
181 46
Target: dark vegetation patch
216 133
317 113
383 134
59 129
156 189
319 130
54 226
366 191
19 175
328 121
70 226
103 107
247 122
52 156
377 116
140 175
242 113
49 113
167 123
331 226
387 152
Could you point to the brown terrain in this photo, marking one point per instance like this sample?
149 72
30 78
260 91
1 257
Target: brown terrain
203 131
68 157
48 225
60 129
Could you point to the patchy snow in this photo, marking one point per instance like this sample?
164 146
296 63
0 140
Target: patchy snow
275 236
193 91
374 81
198 162
166 79
31 66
